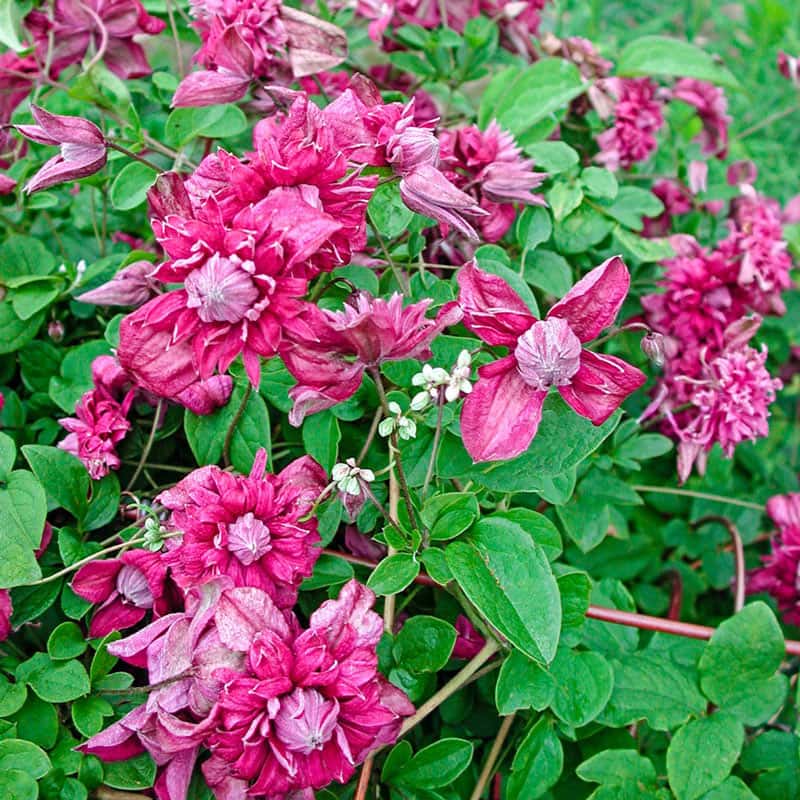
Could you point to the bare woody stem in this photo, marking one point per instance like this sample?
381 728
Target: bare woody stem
390 600
738 554
106 793
491 759
187 673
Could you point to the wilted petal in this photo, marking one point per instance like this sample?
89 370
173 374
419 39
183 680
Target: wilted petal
314 45
210 87
600 386
131 286
502 414
492 309
593 303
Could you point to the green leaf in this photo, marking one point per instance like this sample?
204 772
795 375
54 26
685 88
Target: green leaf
663 55
563 198
583 228
435 564
16 332
424 644
436 765
533 228
575 588
66 641
88 714
393 574
389 215
599 182
563 441
8 454
584 682
75 379
58 682
18 785
506 575
130 187
774 757
552 157
617 768
135 773
321 437
732 788
23 509
12 12
548 271
185 124
24 256
522 684
449 515
398 756
328 571
24 756
492 258
630 205
33 297
64 478
206 434
650 687
702 754
519 97
537 764
740 662
12 696
38 722
538 527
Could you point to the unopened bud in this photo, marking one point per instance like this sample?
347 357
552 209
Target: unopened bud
653 347
55 330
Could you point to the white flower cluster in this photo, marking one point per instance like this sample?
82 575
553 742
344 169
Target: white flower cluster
405 426
154 533
435 381
347 476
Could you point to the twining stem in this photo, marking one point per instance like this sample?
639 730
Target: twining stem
738 555
148 445
187 673
363 779
390 600
226 448
130 154
401 277
459 680
767 121
699 495
491 759
436 436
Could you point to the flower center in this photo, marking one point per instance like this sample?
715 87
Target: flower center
548 354
132 585
249 538
221 290
306 720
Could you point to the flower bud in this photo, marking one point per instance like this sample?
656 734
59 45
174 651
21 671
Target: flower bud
55 330
653 347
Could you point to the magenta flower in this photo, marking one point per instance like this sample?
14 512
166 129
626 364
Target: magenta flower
500 417
308 708
712 108
789 67
489 165
17 74
637 118
83 148
108 27
126 589
131 286
99 424
247 528
165 368
676 200
778 575
469 642
6 610
328 351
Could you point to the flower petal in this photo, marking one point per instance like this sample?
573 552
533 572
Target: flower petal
501 415
594 301
492 309
600 385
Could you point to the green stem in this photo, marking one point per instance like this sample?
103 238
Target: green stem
148 445
124 150
699 496
778 115
436 436
226 448
451 687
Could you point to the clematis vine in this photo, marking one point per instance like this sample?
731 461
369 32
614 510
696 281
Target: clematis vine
329 351
501 415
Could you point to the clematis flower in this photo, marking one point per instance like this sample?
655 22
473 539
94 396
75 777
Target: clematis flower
490 167
131 286
676 201
712 108
65 35
247 528
99 424
309 707
778 575
637 118
789 67
328 351
83 148
469 642
500 417
126 589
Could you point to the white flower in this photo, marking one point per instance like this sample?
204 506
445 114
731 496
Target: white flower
347 476
458 382
431 379
406 428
